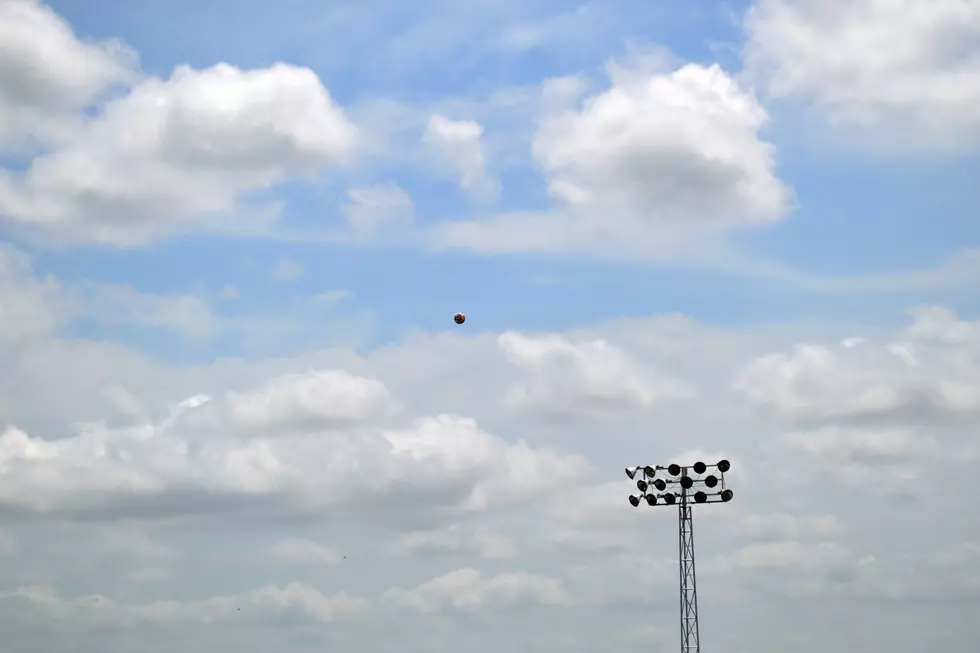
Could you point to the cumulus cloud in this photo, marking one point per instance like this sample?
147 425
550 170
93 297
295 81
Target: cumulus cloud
654 144
8 545
468 590
300 551
34 305
317 398
173 154
457 539
931 367
30 305
265 603
883 461
463 475
330 447
776 527
116 305
287 270
47 74
912 67
659 158
566 377
379 207
458 143
877 414
191 463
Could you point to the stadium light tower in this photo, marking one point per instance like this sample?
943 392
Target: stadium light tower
678 485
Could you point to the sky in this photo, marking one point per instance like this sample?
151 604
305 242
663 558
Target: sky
236 413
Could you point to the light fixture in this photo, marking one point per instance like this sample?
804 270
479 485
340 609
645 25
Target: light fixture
684 486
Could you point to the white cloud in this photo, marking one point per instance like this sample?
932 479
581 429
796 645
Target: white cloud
468 590
47 74
882 462
332 297
194 461
457 539
186 313
771 554
8 545
879 414
227 293
32 306
114 543
567 378
317 398
176 154
265 602
660 159
867 448
773 527
459 144
300 551
652 145
575 28
288 270
148 575
326 445
930 367
384 206
126 477
910 67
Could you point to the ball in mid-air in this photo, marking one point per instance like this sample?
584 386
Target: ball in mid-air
459 318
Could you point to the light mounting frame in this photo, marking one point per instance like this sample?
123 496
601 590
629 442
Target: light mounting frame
668 485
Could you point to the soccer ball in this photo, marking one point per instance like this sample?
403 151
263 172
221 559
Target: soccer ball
459 318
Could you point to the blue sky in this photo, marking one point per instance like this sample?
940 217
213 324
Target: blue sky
233 237
858 214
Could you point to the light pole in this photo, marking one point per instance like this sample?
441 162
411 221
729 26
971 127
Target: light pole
678 484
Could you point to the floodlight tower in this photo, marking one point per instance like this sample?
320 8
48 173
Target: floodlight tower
678 486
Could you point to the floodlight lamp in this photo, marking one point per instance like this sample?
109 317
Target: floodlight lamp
727 495
631 472
634 500
669 499
700 497
641 486
699 467
649 471
660 484
674 469
652 499
687 482
711 480
724 466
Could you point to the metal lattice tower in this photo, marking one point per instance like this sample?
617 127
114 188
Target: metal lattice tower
683 486
690 632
